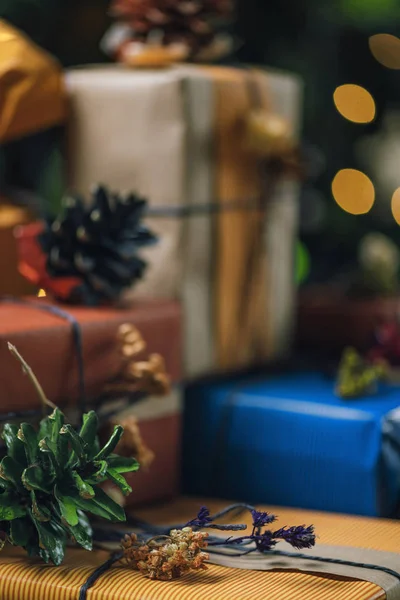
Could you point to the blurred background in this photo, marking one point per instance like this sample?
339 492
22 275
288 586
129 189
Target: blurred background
326 43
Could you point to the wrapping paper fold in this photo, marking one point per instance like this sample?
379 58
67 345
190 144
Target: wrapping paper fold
23 579
335 455
46 342
177 137
32 95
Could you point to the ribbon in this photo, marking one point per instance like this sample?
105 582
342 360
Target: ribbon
77 337
382 566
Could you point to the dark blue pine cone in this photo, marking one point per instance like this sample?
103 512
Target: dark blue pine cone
98 244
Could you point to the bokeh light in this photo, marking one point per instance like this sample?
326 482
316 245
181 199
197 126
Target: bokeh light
386 49
354 103
41 294
353 191
396 205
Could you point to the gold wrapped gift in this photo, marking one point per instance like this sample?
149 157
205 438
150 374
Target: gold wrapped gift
32 94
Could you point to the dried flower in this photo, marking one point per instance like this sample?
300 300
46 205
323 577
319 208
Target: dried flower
166 557
149 376
260 519
265 542
202 520
299 537
132 443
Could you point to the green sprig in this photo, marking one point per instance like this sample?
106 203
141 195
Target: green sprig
50 479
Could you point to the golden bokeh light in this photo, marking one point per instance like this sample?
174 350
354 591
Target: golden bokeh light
354 103
353 191
386 49
41 294
396 205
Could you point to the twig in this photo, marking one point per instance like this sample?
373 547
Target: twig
27 369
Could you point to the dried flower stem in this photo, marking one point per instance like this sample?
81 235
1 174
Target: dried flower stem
27 369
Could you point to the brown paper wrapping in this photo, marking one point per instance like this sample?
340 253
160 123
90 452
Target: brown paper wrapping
32 94
46 343
179 150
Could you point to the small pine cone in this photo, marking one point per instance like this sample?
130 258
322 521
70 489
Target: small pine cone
189 22
98 245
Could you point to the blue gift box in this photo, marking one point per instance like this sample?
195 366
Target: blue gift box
288 440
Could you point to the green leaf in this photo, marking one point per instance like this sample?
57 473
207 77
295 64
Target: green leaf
119 481
11 470
76 444
68 507
20 531
57 421
52 540
85 490
101 473
48 459
111 444
45 428
41 513
123 464
10 508
102 506
14 445
28 436
89 428
34 478
83 532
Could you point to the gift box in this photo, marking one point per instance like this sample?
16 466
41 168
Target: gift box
44 334
160 424
32 86
286 439
328 321
11 281
178 137
23 578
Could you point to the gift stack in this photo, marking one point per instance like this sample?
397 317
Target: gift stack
193 140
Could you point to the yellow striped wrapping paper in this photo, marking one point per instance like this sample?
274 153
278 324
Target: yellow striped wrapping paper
25 579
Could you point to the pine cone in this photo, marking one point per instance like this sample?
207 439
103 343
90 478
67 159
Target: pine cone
98 245
188 22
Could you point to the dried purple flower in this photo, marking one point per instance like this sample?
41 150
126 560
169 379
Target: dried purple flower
260 519
203 518
299 537
265 542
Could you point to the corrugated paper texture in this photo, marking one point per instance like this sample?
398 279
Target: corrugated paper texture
176 135
32 95
24 579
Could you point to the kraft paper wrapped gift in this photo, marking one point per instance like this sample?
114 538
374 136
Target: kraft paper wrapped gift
176 136
288 440
160 423
46 342
32 95
22 578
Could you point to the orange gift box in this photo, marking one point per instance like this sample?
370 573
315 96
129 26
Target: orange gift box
46 342
22 578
